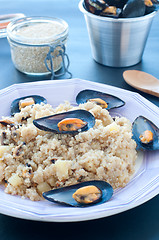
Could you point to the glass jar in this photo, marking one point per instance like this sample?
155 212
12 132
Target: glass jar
38 44
5 20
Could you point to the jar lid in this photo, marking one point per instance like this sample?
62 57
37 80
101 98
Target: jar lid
37 30
5 20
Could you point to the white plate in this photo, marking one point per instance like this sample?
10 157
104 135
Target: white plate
143 186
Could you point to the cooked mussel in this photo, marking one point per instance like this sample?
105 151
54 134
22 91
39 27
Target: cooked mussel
22 102
111 11
88 194
101 7
117 3
81 195
95 6
103 99
151 5
145 133
67 122
6 122
134 8
123 8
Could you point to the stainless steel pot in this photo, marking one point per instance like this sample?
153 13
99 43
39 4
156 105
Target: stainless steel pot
117 42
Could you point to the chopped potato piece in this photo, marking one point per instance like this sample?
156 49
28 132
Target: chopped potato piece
4 149
62 167
113 127
43 187
15 180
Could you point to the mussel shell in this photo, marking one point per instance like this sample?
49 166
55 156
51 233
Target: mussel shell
154 7
150 9
14 108
94 6
134 8
112 101
49 123
140 125
97 7
116 3
64 195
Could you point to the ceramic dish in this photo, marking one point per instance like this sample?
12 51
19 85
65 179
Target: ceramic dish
144 184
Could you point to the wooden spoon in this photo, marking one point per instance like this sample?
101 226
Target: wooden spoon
142 81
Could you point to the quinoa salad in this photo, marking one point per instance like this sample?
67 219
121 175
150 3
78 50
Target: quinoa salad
33 161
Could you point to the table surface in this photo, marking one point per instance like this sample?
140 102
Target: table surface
141 222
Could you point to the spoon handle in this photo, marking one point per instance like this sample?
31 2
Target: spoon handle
153 91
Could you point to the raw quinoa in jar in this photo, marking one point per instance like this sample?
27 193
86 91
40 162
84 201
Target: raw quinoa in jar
32 39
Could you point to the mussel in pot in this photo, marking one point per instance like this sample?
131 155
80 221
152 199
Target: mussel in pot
103 99
81 195
111 11
121 9
22 102
145 133
134 8
101 7
95 6
117 3
70 122
151 5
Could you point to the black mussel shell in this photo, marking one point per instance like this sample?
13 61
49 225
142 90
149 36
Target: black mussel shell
150 8
134 8
49 123
124 8
140 125
116 3
15 104
95 6
112 101
64 195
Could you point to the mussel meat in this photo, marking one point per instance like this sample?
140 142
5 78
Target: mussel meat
22 102
89 193
103 99
145 133
67 122
111 11
99 102
146 137
71 124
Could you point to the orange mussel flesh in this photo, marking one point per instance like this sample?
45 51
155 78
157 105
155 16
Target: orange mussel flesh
146 136
87 194
71 124
99 102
